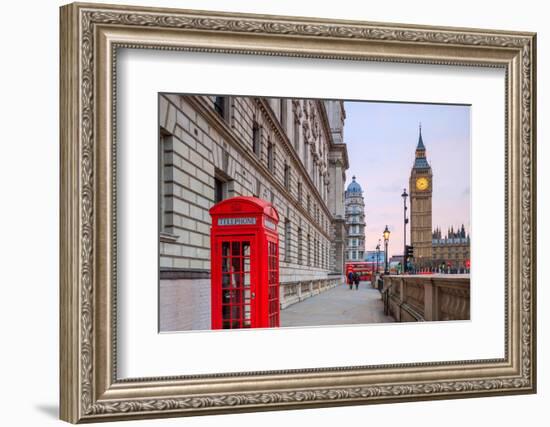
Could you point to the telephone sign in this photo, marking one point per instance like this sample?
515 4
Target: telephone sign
236 221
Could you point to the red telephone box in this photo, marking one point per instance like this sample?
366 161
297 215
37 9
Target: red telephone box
244 246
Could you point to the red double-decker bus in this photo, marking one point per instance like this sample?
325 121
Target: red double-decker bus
364 268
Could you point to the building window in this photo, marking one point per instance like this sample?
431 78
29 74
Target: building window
316 253
308 203
163 142
256 139
287 240
297 135
287 176
271 156
300 192
305 156
300 244
220 190
282 113
220 106
308 249
223 186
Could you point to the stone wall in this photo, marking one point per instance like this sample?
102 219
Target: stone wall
427 297
295 291
194 295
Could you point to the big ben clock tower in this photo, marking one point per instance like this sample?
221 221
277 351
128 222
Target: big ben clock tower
420 190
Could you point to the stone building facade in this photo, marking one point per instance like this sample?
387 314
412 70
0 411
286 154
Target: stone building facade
355 222
289 152
453 248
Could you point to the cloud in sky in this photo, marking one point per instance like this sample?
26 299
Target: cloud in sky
381 140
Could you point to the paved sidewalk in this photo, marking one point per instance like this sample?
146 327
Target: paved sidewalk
338 306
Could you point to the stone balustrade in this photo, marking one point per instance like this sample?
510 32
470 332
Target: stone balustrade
415 298
293 292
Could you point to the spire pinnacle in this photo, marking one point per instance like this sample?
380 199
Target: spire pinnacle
420 145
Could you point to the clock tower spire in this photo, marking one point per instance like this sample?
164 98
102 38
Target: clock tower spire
420 190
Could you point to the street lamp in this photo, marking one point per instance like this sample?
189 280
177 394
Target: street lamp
405 221
386 235
377 255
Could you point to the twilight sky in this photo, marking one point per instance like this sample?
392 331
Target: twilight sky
381 139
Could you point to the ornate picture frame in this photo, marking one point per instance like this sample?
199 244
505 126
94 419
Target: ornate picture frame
90 37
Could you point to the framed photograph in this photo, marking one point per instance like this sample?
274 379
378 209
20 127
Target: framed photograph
267 212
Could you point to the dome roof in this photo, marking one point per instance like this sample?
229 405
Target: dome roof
354 187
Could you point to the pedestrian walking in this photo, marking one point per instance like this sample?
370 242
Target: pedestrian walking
356 279
350 279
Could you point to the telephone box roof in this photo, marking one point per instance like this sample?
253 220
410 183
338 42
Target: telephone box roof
244 205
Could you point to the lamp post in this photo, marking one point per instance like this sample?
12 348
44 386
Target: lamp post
405 221
377 255
386 235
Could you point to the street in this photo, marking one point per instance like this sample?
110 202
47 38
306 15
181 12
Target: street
338 306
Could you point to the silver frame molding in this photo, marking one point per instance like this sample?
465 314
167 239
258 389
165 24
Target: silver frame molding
90 37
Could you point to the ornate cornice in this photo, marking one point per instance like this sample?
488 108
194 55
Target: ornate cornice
403 391
301 27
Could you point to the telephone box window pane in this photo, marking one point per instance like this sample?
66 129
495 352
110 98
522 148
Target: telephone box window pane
246 248
226 280
246 265
237 281
236 312
237 265
225 249
226 297
225 265
236 248
236 297
225 308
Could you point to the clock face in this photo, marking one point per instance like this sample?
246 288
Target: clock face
422 183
